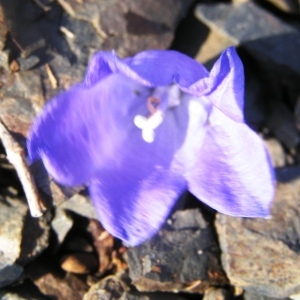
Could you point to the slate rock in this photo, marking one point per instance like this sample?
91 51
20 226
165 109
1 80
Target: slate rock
22 238
183 256
288 6
263 255
110 287
130 26
251 296
217 293
81 205
256 30
276 152
46 275
23 291
281 122
61 225
114 288
152 296
9 273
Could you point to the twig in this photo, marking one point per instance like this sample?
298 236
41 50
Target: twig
67 32
51 76
41 5
15 155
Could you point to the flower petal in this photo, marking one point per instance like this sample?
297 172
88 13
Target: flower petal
151 68
134 195
233 173
82 128
224 87
131 205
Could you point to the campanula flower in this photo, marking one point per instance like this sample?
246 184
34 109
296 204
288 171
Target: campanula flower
141 130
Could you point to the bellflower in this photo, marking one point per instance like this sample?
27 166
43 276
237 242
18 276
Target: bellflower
141 130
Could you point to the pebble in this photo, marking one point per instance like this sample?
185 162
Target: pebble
183 256
22 238
262 255
79 263
276 152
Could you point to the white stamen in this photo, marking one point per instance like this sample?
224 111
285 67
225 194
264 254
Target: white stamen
155 120
148 125
148 135
140 121
161 99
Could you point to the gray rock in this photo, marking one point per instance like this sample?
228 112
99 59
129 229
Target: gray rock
22 238
251 296
110 287
281 121
256 30
22 291
289 6
217 293
9 273
81 205
151 296
276 152
183 256
129 26
114 288
262 255
61 224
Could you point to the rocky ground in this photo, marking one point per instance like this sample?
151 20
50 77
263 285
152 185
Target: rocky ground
198 254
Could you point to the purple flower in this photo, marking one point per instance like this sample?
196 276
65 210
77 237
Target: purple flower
139 131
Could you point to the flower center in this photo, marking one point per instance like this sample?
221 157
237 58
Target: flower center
162 99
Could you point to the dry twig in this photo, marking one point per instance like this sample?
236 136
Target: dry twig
15 155
51 76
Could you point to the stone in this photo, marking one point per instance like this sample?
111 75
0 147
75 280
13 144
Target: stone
276 152
214 44
114 288
69 287
182 257
47 276
111 287
251 296
281 121
81 205
23 291
287 174
79 263
152 296
288 6
262 255
9 273
257 31
61 225
217 294
129 26
22 238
